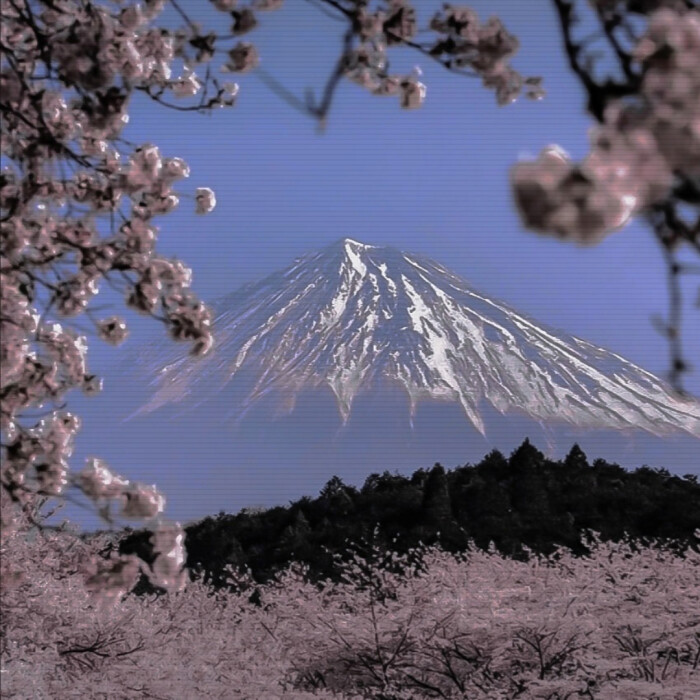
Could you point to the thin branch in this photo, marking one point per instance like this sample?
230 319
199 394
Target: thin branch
624 58
666 229
179 108
598 95
321 111
318 4
336 5
289 97
184 16
428 53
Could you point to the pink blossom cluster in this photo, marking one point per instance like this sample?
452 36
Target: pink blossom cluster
76 212
486 49
366 64
642 147
462 43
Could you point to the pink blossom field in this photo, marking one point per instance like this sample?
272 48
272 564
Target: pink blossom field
623 623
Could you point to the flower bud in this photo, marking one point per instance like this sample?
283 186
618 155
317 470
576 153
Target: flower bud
412 94
206 200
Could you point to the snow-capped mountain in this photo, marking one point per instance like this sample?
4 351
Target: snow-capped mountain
356 317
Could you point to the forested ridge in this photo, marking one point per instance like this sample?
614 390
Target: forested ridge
515 504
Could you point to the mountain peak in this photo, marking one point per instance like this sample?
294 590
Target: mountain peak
356 316
354 244
353 251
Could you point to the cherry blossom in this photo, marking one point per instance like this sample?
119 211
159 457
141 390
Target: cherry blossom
97 481
242 58
206 200
113 330
140 501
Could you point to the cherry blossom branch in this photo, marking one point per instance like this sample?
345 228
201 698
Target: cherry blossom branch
636 165
598 95
671 329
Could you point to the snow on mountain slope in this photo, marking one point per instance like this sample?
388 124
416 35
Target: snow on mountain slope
354 316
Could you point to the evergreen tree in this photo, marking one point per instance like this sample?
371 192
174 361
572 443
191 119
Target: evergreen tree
576 458
493 459
526 457
296 533
333 487
437 508
337 496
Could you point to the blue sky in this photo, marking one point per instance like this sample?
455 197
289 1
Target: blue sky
433 180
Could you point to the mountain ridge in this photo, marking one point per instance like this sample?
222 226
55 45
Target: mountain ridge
353 314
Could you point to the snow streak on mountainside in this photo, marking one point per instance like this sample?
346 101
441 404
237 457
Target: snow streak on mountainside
354 316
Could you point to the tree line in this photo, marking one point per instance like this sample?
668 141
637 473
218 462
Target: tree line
519 505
